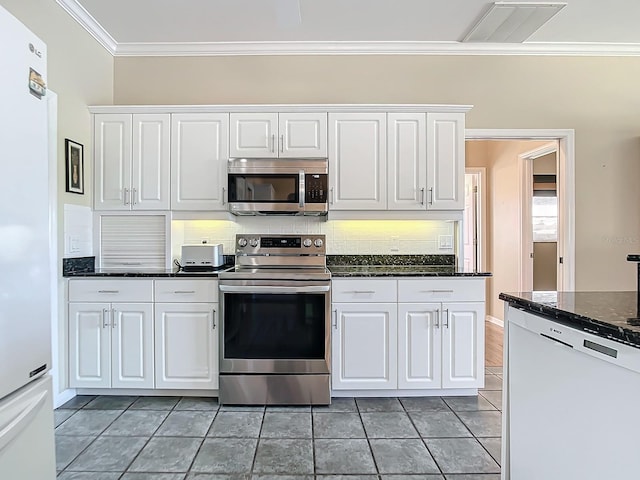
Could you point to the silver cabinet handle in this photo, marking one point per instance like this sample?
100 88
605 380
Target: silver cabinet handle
446 316
282 143
301 188
436 291
331 196
113 318
108 291
334 322
105 322
362 291
213 319
134 199
126 193
224 190
431 196
422 196
437 318
273 143
184 291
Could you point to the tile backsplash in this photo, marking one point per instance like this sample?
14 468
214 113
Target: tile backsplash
344 237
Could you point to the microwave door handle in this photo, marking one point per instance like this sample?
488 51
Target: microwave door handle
301 189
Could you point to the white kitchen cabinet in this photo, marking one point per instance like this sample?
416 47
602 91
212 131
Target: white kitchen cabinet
186 339
357 161
199 156
186 333
441 338
364 346
445 161
272 135
406 161
111 345
131 161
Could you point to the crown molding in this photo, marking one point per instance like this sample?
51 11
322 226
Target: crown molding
275 108
84 18
78 13
373 48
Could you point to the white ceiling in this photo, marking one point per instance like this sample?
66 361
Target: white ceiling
206 27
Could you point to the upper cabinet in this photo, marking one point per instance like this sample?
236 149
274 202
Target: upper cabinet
199 155
357 161
396 161
445 161
131 155
272 135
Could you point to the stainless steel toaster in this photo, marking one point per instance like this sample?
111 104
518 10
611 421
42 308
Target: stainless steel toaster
202 257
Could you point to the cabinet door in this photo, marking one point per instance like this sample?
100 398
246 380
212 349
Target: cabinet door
150 162
302 135
463 345
357 161
199 155
132 345
186 345
419 345
364 346
89 326
445 161
112 161
253 135
407 161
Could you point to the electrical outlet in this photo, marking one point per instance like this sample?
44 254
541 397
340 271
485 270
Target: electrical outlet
395 244
445 242
204 240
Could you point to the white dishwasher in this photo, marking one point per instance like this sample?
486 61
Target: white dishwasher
571 403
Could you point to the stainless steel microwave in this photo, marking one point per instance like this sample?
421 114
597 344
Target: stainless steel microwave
277 186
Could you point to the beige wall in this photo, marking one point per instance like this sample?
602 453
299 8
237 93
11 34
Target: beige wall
80 72
596 96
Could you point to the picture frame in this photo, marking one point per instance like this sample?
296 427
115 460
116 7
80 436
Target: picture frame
74 166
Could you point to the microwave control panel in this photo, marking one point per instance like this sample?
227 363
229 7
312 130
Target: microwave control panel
315 188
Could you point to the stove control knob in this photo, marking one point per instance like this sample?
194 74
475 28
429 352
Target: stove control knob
318 242
307 242
242 242
253 242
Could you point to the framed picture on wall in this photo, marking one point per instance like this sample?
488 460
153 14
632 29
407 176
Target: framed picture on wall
74 160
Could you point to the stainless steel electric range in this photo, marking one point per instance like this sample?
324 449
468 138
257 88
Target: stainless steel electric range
275 307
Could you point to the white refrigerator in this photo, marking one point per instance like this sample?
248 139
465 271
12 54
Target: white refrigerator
27 450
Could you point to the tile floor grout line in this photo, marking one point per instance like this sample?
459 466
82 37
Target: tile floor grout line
366 436
420 436
255 453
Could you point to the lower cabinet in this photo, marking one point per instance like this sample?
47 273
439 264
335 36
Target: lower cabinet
411 343
111 345
364 346
441 345
169 339
186 338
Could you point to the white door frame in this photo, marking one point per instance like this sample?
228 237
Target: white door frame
481 201
565 185
525 170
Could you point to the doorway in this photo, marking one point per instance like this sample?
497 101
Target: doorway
509 184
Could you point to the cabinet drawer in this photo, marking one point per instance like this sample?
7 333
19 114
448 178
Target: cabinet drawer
359 290
441 290
121 290
178 291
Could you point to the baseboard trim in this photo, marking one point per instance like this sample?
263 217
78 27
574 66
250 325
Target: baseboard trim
495 321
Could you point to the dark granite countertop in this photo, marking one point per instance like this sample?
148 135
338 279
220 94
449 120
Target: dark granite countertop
400 271
145 273
612 315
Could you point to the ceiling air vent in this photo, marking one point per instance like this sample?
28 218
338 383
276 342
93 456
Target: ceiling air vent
510 22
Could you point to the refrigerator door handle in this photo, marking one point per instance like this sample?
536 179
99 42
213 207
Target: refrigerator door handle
22 420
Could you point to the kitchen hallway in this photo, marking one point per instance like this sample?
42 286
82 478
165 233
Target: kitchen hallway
187 438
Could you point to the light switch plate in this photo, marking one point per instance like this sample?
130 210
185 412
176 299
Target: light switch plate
445 242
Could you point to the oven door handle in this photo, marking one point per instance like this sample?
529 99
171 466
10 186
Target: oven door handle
274 289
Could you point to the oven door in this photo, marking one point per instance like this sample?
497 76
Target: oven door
271 326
